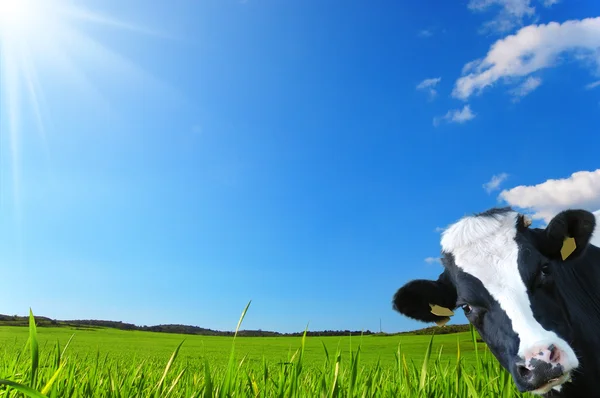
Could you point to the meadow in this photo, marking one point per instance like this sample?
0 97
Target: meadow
101 362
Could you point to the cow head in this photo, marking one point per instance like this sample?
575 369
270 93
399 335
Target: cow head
500 272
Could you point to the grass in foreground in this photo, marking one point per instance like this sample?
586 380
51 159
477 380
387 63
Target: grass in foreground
53 372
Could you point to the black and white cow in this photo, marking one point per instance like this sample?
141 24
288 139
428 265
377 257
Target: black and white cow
532 294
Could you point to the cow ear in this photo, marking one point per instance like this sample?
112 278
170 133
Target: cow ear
427 300
568 234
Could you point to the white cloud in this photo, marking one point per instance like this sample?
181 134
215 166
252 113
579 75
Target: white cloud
548 3
439 229
433 260
596 238
469 66
531 49
545 200
495 182
425 33
429 86
530 84
512 13
432 82
463 115
592 85
455 116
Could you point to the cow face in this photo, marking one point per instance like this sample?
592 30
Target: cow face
500 272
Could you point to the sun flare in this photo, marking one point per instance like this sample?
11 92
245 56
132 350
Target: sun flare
43 42
13 12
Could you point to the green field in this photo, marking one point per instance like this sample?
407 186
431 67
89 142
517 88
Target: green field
138 345
103 362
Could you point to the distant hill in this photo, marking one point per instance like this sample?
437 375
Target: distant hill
446 329
41 321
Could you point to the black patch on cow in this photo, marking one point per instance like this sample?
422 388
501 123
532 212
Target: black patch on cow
413 299
565 295
521 225
577 283
486 315
539 275
537 374
494 212
577 224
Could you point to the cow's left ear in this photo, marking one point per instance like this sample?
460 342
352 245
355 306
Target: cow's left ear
568 234
427 300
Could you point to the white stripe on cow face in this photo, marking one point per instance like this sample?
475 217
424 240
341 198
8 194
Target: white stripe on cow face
485 247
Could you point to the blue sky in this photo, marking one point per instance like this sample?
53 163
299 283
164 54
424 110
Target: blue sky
171 167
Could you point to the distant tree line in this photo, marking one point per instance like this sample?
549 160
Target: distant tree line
41 321
14 320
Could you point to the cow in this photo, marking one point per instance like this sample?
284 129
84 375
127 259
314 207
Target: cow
533 295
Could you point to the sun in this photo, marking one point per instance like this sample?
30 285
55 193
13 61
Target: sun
10 9
48 39
18 17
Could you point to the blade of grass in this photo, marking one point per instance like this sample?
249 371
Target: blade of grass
175 382
425 363
33 344
164 375
67 346
208 385
28 391
226 385
52 379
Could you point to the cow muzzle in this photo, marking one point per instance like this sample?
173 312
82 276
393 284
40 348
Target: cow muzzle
542 368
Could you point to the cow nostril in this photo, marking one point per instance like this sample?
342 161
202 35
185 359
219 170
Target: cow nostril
523 371
554 353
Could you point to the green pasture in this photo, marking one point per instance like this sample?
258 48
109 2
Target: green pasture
136 345
100 362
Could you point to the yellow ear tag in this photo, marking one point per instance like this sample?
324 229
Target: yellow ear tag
442 322
440 311
568 248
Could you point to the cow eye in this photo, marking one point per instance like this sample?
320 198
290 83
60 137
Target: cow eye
545 270
467 309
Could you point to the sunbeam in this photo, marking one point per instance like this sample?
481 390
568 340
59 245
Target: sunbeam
17 15
43 38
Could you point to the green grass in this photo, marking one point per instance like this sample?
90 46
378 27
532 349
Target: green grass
67 362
